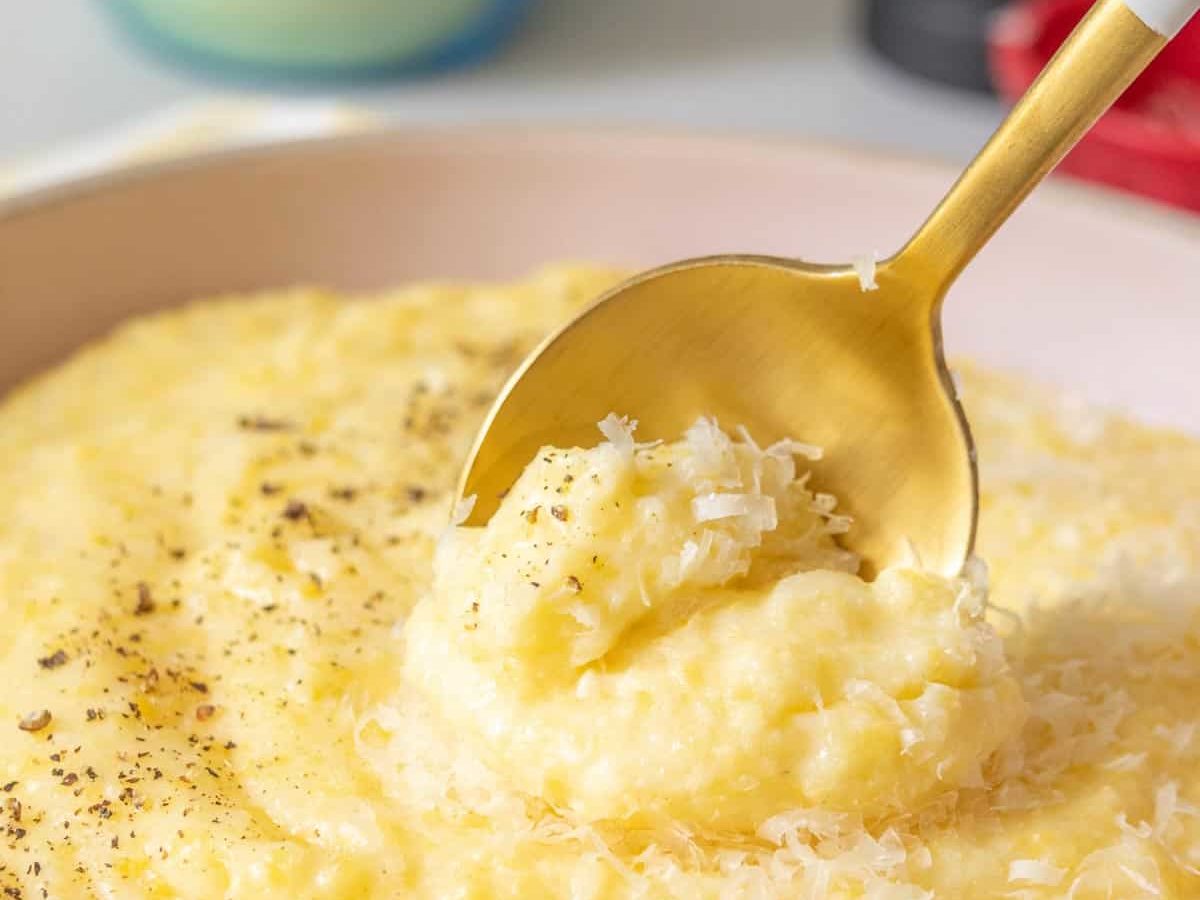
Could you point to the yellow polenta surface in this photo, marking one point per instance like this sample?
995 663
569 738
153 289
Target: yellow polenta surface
228 669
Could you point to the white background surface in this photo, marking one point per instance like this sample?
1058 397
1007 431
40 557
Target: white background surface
791 66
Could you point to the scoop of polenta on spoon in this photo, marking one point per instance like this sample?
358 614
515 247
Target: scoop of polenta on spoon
845 358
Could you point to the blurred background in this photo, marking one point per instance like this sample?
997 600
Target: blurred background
918 76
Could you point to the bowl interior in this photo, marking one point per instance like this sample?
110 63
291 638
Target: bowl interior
1079 289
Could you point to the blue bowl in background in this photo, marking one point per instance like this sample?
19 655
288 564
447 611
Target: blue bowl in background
316 39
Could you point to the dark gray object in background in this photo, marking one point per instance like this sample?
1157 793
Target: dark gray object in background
945 40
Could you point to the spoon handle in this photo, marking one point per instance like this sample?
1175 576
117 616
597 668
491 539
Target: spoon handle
1105 53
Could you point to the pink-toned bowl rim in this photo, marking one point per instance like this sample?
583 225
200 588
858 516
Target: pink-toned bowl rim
748 141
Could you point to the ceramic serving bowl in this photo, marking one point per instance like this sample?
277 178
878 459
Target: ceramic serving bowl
1083 289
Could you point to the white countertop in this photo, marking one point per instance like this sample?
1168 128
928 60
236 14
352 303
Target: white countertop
794 66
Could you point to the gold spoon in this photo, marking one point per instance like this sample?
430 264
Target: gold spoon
793 349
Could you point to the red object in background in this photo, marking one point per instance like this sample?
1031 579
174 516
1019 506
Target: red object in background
1149 142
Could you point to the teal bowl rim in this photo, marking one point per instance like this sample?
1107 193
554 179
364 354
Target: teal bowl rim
487 34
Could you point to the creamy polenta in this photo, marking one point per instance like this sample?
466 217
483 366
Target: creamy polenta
244 656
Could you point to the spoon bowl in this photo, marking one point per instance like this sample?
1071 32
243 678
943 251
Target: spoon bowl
773 345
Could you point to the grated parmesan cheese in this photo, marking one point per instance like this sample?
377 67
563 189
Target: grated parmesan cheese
1035 871
864 266
1126 762
758 510
462 509
618 431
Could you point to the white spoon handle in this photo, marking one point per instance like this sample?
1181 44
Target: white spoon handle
1166 17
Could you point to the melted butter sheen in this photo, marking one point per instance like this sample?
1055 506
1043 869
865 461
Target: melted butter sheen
241 673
